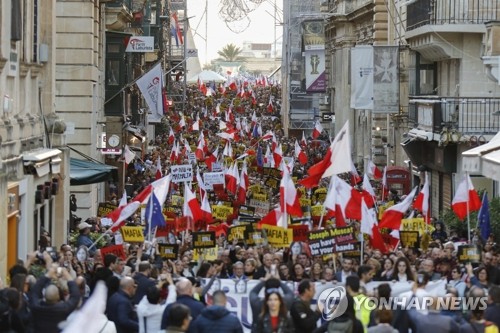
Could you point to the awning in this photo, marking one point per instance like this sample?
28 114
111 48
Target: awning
84 172
473 159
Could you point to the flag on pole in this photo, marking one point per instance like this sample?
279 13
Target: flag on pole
153 210
466 199
150 85
318 129
484 218
393 215
159 173
128 154
373 171
422 200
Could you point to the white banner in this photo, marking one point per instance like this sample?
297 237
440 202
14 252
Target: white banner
150 85
181 173
362 77
211 178
386 79
141 44
238 292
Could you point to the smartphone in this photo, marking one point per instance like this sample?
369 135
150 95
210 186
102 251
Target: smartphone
420 278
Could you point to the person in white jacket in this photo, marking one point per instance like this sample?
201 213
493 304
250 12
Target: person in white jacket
149 309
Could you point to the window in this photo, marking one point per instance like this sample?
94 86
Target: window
426 77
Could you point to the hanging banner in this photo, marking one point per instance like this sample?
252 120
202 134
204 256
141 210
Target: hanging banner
362 77
386 79
150 85
314 45
140 44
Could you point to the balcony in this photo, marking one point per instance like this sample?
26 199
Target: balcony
442 12
471 116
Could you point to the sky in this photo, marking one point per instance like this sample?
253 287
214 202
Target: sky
260 30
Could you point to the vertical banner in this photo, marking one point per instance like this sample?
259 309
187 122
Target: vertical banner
150 85
314 45
315 69
362 77
386 79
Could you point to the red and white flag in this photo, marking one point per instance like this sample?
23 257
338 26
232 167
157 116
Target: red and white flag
174 154
232 178
270 107
303 141
393 215
355 178
254 119
212 158
385 187
373 171
274 142
200 149
150 85
278 155
206 209
318 129
158 173
368 192
422 201
341 160
228 150
171 136
289 197
182 122
271 218
299 154
466 199
124 213
191 208
244 183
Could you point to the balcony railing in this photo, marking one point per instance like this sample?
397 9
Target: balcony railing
471 116
437 12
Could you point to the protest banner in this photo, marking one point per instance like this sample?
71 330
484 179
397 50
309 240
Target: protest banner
259 196
105 208
416 224
181 173
246 211
132 234
317 211
237 232
299 232
410 239
216 167
319 195
221 212
117 250
177 200
209 254
203 239
469 253
273 183
212 178
168 251
328 241
261 207
277 236
238 301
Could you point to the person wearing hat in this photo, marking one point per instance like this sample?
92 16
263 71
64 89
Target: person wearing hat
84 237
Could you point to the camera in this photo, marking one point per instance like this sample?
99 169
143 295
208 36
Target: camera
50 250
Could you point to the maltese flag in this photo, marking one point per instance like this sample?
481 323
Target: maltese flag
278 155
271 218
303 141
393 215
368 192
289 197
422 200
373 171
466 199
171 136
191 206
299 154
129 155
318 129
159 173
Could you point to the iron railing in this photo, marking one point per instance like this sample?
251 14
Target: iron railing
438 12
467 115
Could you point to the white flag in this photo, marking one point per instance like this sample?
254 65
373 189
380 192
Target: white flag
150 85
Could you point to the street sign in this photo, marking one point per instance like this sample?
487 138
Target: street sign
330 116
191 53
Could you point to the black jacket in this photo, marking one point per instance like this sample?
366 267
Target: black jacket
218 319
304 318
46 317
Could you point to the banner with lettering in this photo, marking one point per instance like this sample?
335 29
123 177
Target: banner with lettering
209 254
117 250
299 232
204 239
212 178
168 251
105 208
181 173
277 236
221 212
469 253
237 232
238 302
328 241
410 239
132 234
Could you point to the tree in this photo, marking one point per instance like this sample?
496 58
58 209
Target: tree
230 53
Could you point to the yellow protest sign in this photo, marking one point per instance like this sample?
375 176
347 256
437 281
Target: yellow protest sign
259 196
317 210
236 232
206 254
416 224
177 200
132 234
254 188
278 236
221 212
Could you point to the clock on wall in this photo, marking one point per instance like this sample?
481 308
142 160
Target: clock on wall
114 140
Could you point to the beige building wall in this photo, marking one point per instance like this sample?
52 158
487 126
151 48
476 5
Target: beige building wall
79 90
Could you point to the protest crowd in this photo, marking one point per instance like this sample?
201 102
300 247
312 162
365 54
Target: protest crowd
228 226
